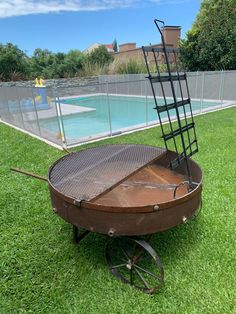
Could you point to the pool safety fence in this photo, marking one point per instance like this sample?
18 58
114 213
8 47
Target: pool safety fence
116 104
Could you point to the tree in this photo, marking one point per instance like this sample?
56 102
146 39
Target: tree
58 66
41 63
73 62
189 52
13 63
115 46
211 43
99 56
46 64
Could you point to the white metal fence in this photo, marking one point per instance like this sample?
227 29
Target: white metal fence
118 103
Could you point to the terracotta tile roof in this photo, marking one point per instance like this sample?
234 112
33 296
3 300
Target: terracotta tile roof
109 46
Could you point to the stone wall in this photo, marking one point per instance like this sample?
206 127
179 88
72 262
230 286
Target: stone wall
65 82
62 87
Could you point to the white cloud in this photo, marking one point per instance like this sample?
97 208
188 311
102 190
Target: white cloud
9 8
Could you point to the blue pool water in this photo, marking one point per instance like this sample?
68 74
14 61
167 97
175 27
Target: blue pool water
112 114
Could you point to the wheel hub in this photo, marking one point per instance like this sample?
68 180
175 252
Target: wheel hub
129 265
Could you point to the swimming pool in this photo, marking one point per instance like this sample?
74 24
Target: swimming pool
104 115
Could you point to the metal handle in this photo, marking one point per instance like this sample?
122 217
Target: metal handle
156 21
30 174
191 186
65 150
179 185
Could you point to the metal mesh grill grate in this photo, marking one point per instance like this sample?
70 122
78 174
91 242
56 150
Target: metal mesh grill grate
86 174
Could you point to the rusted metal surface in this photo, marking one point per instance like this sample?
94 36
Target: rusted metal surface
117 223
143 204
152 185
87 174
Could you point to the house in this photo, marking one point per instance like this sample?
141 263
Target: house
96 45
129 51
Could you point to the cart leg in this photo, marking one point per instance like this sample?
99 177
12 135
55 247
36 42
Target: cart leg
75 234
76 237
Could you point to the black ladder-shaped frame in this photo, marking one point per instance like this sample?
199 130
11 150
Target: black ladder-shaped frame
184 136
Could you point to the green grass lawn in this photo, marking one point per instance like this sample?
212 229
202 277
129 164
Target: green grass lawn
42 271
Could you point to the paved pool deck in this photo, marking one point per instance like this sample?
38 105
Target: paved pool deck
66 110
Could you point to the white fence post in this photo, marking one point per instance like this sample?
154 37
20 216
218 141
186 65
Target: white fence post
202 92
36 112
221 90
21 113
60 119
196 84
109 111
146 102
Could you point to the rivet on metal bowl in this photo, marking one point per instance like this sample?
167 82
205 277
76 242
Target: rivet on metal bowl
156 207
111 232
184 219
65 205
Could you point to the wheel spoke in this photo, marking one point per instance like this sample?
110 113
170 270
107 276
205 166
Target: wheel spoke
119 265
124 252
141 277
136 258
147 272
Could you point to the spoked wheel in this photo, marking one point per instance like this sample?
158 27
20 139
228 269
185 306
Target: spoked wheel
133 261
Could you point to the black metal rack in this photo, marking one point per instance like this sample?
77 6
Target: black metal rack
175 114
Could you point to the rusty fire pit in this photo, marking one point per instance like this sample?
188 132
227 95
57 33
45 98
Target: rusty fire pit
129 192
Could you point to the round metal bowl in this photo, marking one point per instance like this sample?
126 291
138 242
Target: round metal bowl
152 199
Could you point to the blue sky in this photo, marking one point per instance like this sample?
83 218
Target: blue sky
61 25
